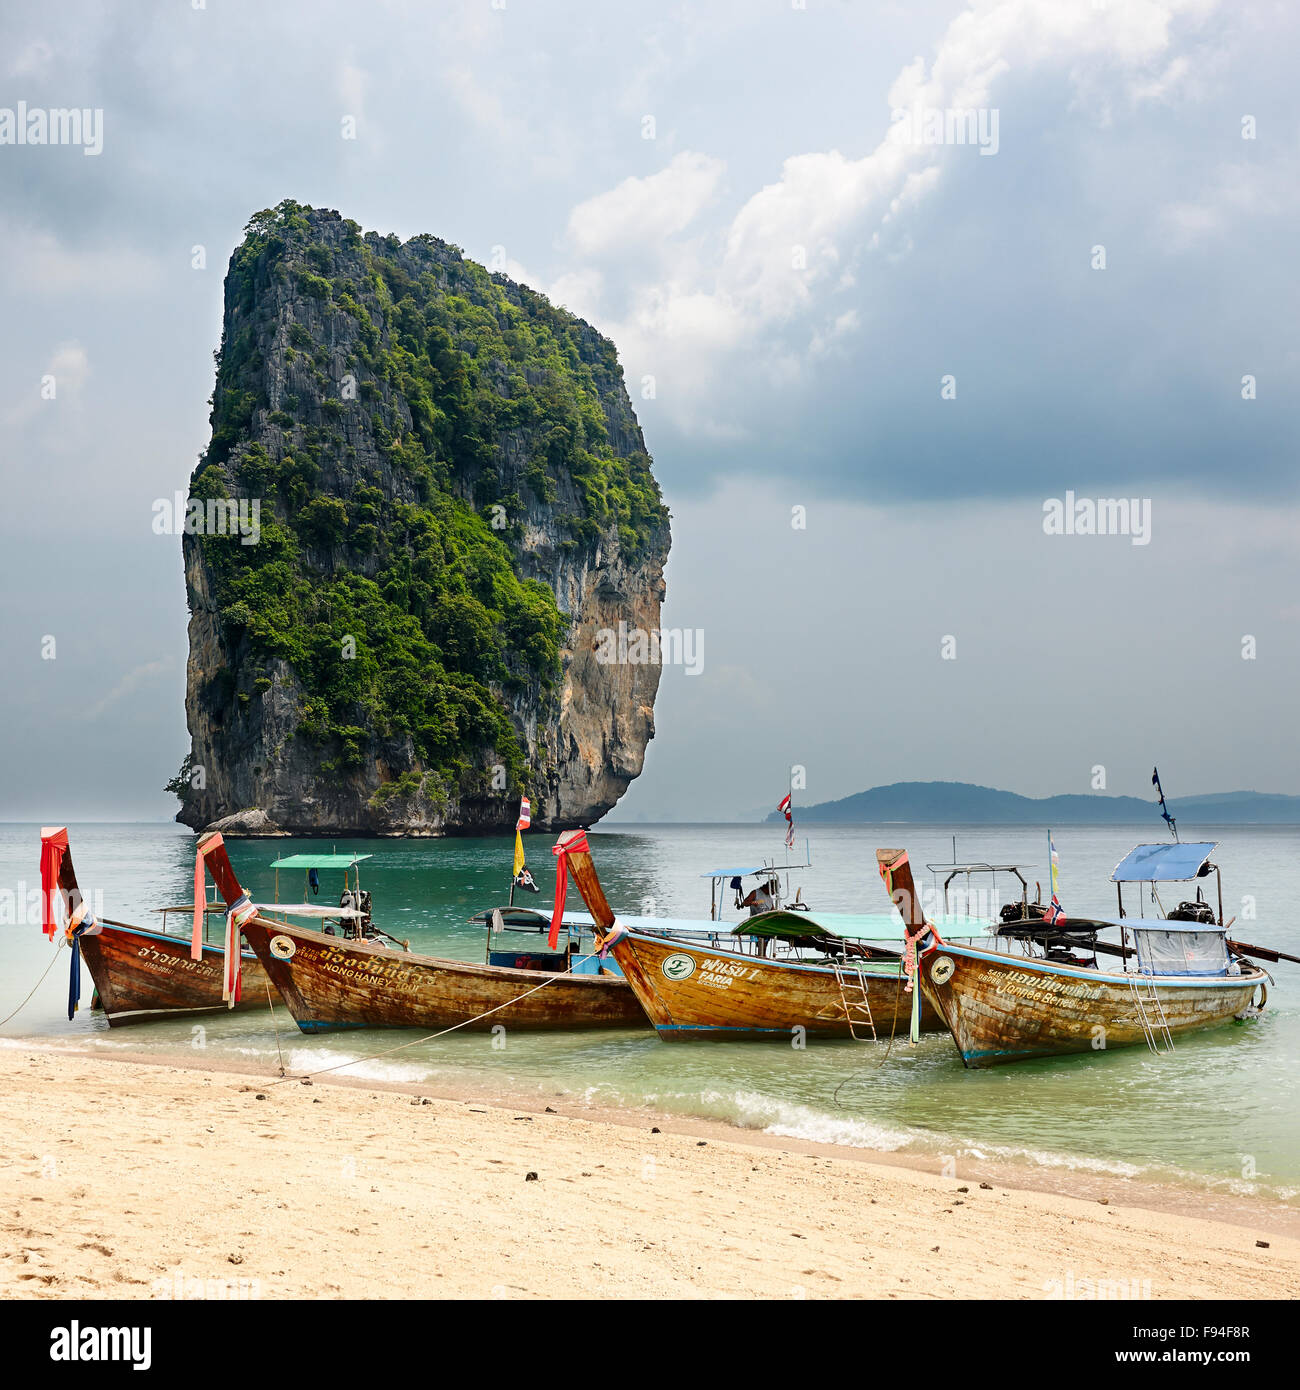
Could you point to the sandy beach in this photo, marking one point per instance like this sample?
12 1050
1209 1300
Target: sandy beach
125 1180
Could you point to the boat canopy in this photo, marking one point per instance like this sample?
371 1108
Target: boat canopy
1152 924
787 926
1164 863
319 861
744 873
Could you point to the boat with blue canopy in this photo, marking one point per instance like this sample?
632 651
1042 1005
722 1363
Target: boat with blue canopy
779 975
1038 989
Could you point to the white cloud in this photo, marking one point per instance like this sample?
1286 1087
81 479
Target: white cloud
579 291
790 250
641 211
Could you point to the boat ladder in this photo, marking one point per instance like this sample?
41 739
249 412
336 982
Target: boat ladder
853 996
1151 1015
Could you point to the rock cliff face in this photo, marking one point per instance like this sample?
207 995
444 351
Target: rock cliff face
444 498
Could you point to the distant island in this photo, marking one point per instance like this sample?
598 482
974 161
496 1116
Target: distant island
948 803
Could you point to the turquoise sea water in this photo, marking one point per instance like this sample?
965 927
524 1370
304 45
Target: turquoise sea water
1222 1112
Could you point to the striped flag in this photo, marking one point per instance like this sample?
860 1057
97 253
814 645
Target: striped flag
1055 913
784 808
523 879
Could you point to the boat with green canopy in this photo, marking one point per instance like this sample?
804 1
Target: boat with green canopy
351 919
778 975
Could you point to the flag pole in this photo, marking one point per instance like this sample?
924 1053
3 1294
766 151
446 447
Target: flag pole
1164 810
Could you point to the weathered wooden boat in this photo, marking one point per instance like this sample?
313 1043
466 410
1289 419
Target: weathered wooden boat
331 983
139 975
1039 990
777 976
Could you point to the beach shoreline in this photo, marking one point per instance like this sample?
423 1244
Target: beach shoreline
340 1176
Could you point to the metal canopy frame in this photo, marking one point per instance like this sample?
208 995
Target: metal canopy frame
979 867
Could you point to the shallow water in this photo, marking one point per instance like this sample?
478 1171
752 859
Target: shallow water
1221 1112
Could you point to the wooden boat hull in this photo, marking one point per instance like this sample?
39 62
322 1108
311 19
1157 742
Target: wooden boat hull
1001 1008
141 976
749 998
330 984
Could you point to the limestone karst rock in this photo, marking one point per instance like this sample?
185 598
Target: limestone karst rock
435 495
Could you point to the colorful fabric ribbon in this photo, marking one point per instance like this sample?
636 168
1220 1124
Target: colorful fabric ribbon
577 845
909 954
616 933
232 980
200 895
82 923
74 979
54 845
910 937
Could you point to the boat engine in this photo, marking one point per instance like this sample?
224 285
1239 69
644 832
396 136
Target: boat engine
1193 912
358 899
1022 912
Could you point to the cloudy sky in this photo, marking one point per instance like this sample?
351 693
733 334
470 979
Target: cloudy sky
875 357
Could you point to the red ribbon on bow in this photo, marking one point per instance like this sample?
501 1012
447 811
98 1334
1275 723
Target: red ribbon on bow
54 845
561 852
200 896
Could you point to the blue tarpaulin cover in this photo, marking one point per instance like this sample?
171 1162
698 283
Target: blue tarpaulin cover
1163 863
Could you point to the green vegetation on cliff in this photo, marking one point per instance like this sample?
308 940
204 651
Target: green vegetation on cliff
401 414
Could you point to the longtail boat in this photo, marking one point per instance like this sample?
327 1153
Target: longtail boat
1040 991
139 975
331 983
772 977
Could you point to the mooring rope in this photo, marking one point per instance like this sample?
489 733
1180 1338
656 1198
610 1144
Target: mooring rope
429 1037
36 986
898 993
271 1006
